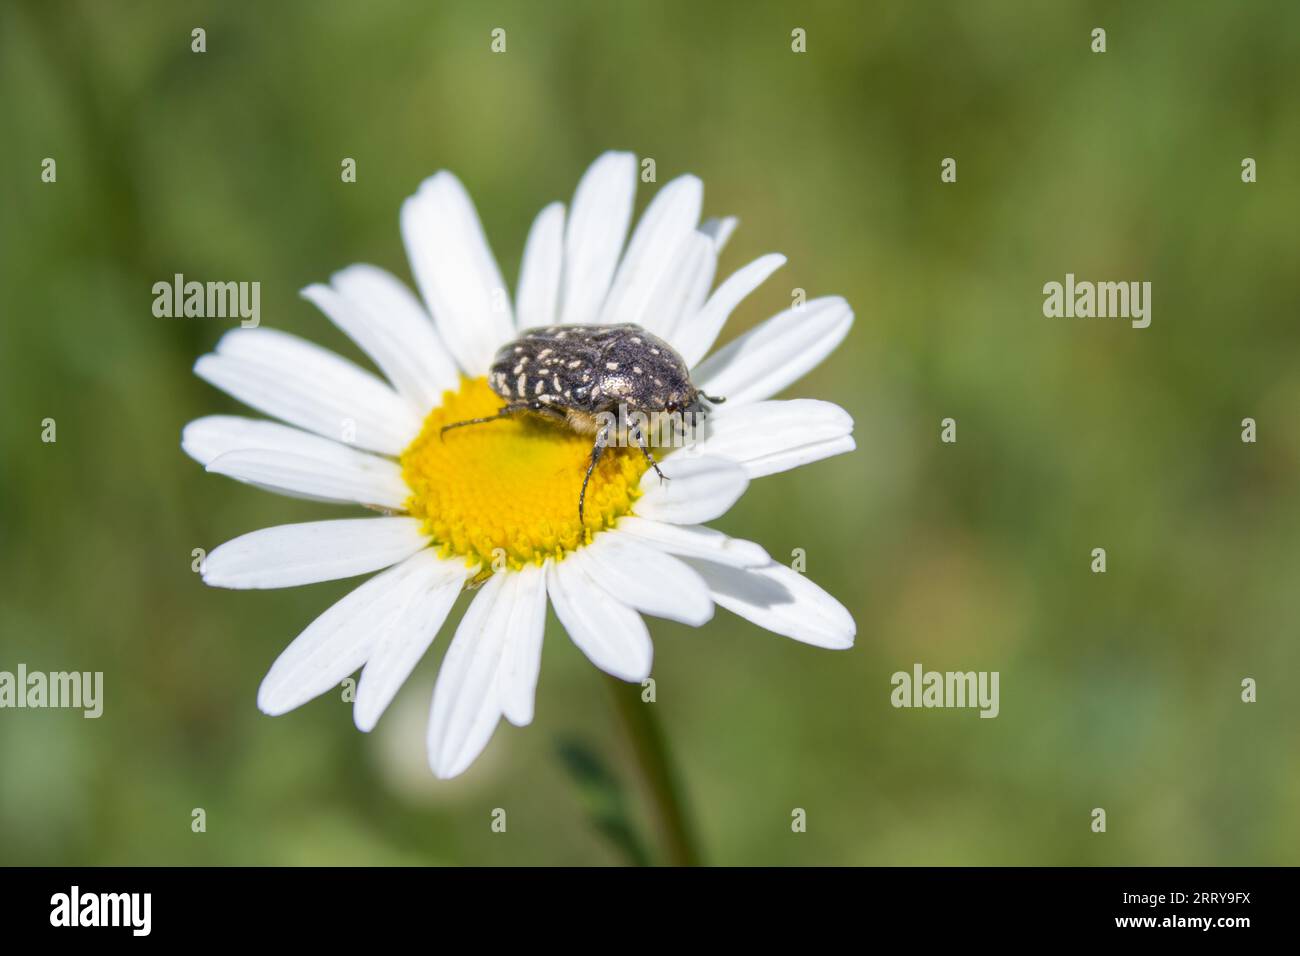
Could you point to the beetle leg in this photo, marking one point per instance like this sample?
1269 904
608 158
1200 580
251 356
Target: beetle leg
645 450
598 449
505 412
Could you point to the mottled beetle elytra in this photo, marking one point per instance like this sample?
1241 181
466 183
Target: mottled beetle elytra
579 375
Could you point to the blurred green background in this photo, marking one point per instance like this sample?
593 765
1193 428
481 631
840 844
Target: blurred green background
1119 690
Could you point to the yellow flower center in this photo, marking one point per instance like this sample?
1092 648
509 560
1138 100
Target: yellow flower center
509 488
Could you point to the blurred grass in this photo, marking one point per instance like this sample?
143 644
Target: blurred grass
1118 691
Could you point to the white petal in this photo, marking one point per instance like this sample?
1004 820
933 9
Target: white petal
381 315
695 336
696 541
697 284
371 481
466 702
782 601
386 351
646 578
772 436
803 455
598 221
206 439
683 285
305 385
719 230
400 646
669 218
610 633
768 358
538 299
456 272
338 642
292 554
522 659
694 489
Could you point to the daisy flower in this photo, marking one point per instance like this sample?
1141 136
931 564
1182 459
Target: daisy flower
491 509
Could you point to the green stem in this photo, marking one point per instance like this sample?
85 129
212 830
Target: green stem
651 757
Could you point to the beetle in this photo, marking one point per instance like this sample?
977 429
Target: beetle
581 375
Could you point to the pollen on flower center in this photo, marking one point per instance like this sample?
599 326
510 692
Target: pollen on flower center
509 488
